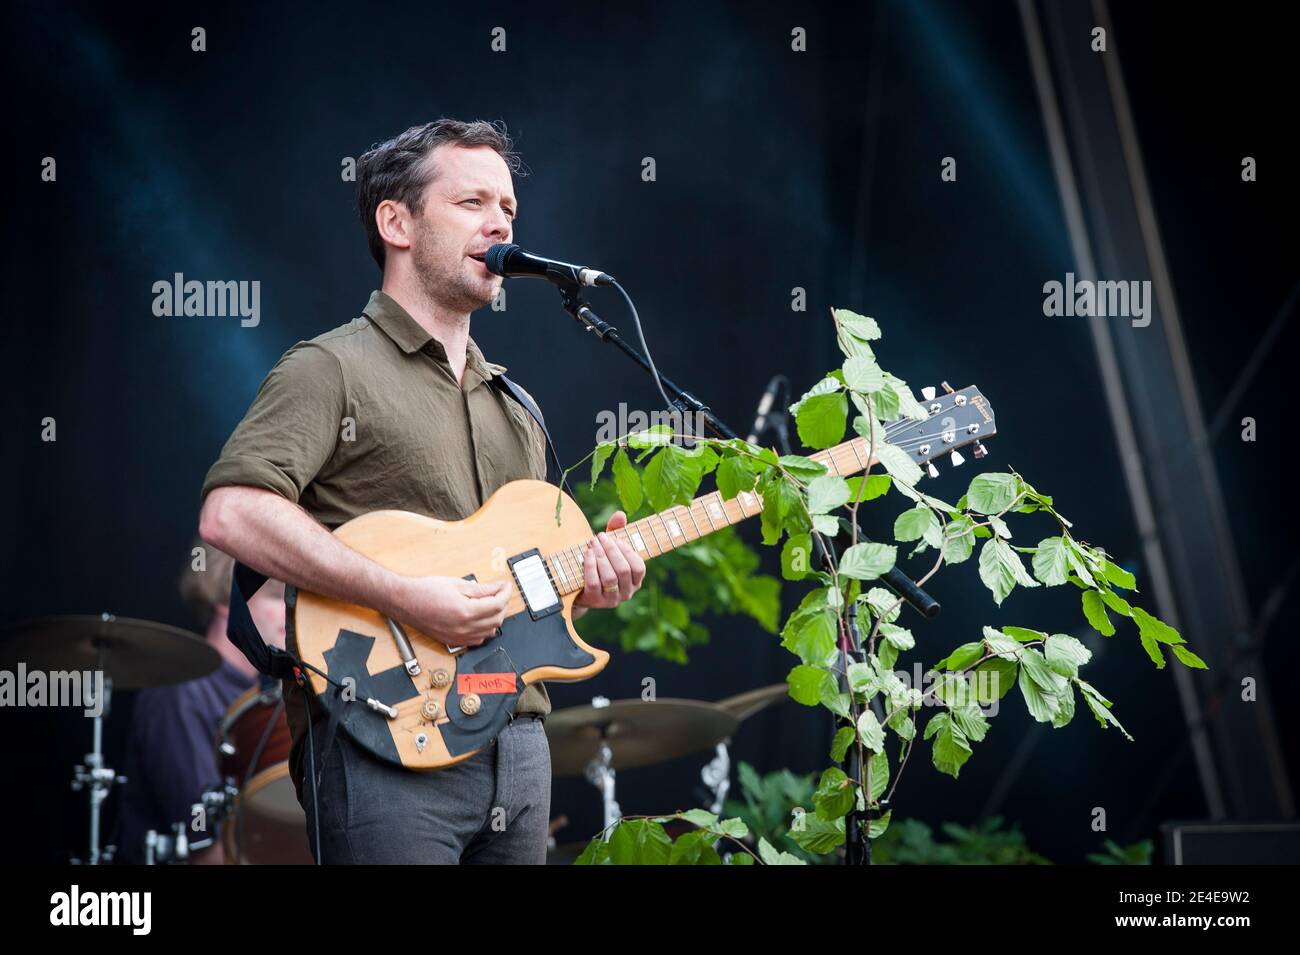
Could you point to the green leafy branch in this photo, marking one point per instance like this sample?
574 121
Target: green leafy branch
804 501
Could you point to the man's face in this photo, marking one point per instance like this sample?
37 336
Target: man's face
468 207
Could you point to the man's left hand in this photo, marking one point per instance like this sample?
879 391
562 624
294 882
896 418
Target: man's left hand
611 568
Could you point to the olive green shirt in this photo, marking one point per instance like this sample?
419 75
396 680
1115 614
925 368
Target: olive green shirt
369 417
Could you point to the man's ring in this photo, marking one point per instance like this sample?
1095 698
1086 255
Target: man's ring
610 589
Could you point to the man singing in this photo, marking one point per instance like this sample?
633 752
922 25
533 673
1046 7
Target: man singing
430 434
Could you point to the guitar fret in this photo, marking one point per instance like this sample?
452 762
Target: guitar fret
650 524
690 512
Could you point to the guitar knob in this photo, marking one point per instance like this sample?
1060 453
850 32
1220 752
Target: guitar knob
980 450
957 459
931 469
928 393
430 709
470 704
441 678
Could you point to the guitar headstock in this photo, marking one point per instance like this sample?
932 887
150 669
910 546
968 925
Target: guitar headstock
957 419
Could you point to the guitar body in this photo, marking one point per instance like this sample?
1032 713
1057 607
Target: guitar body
458 702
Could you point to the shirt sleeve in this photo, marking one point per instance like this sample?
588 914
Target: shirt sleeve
290 430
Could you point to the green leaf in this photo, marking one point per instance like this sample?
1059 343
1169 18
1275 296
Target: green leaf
796 557
1116 603
879 774
695 848
1094 610
818 835
1065 654
771 856
896 461
814 639
598 458
821 420
1024 634
992 493
962 657
1043 704
876 485
834 796
671 477
958 540
951 749
867 561
876 827
844 737
870 731
1156 628
1001 569
1051 561
900 637
1152 648
827 492
1118 576
807 682
993 679
908 406
654 436
912 525
858 326
1100 707
1189 658
627 482
735 474
861 373
639 842
804 468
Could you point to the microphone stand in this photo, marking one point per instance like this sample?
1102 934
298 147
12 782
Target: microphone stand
857 845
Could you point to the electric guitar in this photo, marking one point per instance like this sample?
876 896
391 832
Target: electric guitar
410 699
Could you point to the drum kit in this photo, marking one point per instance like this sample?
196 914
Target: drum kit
262 820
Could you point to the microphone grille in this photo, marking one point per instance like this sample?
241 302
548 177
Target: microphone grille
495 259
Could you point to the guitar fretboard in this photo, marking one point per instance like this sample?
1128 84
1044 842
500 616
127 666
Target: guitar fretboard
659 533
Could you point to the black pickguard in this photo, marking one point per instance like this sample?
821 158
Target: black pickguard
524 644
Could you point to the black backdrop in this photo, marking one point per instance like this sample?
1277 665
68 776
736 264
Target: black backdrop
775 169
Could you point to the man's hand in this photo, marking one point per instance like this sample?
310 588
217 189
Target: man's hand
456 612
611 568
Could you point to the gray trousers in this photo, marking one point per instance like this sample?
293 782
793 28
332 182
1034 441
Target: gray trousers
492 809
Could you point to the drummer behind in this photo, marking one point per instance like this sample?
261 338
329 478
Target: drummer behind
171 754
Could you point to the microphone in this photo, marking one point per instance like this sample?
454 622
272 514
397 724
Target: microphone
510 261
764 406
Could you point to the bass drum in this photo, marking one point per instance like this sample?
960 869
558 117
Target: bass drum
266 826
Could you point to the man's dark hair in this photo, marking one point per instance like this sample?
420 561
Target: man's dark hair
398 169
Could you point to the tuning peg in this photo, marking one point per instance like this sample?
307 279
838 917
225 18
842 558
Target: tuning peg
980 450
931 469
928 393
947 388
957 459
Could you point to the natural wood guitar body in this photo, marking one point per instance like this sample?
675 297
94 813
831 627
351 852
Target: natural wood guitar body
432 729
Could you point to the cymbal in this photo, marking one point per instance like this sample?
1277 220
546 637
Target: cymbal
744 705
137 653
639 733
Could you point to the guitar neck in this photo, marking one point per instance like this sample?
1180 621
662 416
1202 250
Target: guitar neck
667 530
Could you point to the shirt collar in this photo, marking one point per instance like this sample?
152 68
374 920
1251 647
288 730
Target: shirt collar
397 323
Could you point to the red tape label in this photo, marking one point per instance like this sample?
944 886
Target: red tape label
482 683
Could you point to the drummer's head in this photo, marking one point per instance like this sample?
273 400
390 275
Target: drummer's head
205 587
